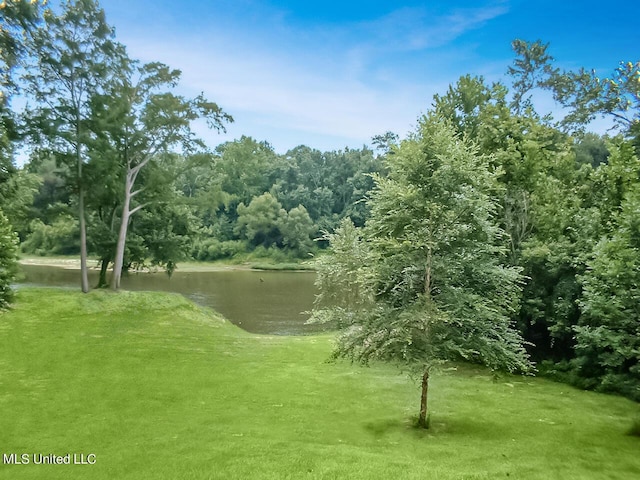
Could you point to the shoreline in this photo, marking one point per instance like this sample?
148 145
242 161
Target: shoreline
70 263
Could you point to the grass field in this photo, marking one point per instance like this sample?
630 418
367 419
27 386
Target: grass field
158 388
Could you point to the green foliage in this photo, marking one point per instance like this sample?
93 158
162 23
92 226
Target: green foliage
8 261
315 189
592 150
264 223
166 232
17 196
17 19
464 103
583 93
72 59
608 334
242 170
531 66
214 249
72 54
428 283
259 221
296 229
587 95
545 190
344 278
59 238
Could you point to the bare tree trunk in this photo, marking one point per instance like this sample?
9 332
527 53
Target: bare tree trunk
84 272
127 211
122 238
422 419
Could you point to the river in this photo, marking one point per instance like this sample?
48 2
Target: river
268 302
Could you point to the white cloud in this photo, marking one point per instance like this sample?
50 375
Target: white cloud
333 84
269 93
419 28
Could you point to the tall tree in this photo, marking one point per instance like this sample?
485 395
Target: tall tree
17 19
608 334
73 57
531 68
434 287
584 93
540 202
143 121
259 222
8 256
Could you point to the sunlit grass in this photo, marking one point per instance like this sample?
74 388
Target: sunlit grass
157 388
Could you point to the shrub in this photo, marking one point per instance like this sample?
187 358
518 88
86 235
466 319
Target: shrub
8 260
59 238
214 249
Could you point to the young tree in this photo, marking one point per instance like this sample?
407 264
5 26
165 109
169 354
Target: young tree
73 57
434 286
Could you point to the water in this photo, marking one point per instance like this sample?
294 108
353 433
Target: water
269 302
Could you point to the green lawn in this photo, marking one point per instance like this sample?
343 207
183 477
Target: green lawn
158 388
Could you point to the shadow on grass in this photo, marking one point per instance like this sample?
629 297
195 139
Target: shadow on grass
634 431
381 427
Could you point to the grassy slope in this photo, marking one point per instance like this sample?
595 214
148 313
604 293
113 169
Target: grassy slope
159 388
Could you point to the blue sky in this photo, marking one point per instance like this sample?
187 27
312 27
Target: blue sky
332 74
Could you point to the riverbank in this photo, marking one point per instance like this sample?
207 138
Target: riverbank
73 263
156 387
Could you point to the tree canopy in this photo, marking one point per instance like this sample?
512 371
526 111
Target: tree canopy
435 285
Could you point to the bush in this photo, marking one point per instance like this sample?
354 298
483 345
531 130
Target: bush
8 260
59 238
213 249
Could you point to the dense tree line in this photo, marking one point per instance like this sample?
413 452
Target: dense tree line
491 227
249 198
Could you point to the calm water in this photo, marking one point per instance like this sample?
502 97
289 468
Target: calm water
258 301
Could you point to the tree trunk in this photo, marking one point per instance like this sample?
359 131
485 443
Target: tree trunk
102 280
422 419
122 238
427 274
84 273
130 181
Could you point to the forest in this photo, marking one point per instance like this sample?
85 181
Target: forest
543 211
